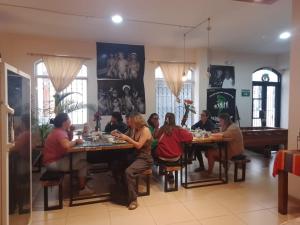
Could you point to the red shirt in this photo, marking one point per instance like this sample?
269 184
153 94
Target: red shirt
170 146
53 150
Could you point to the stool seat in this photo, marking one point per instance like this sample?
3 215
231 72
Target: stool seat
52 179
147 172
172 168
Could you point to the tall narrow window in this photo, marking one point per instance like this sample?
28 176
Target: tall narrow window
266 98
45 92
166 101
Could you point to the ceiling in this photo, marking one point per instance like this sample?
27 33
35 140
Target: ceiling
236 26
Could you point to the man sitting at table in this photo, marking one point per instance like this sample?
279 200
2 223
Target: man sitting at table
116 123
57 146
234 147
207 124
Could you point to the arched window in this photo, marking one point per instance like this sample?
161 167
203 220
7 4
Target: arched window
45 92
165 100
266 98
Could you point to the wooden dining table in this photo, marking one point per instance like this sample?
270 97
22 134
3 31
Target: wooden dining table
202 141
286 161
89 146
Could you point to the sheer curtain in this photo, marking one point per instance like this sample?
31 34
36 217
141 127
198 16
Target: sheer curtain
173 73
62 70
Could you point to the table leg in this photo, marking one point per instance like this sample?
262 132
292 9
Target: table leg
71 178
186 166
282 192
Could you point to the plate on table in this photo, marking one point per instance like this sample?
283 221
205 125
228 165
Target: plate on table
119 142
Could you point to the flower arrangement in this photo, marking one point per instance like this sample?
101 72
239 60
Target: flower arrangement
189 107
97 118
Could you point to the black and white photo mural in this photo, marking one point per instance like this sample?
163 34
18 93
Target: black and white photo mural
221 76
120 73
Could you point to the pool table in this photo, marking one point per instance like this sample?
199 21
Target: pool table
262 138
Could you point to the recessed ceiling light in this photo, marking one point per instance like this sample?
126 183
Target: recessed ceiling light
117 19
285 35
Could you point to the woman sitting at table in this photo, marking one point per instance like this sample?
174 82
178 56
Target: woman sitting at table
153 122
234 147
57 146
116 123
141 138
170 139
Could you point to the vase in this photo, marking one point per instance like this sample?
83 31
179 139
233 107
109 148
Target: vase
184 118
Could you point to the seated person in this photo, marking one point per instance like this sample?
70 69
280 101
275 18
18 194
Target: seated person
153 123
116 123
170 139
57 145
141 139
205 123
234 147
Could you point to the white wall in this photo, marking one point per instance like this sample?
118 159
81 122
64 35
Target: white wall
14 49
294 108
245 64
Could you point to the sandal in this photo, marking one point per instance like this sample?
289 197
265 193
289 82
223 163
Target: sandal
133 205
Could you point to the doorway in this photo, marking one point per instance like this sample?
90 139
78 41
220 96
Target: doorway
266 85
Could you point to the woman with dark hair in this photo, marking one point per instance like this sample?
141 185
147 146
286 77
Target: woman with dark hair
116 123
170 139
141 139
153 123
57 145
234 147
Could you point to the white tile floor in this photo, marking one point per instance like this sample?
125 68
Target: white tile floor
251 202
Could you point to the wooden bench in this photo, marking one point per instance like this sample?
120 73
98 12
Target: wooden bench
240 162
171 169
52 179
147 174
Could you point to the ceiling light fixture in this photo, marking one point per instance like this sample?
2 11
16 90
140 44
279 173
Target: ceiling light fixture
117 19
285 35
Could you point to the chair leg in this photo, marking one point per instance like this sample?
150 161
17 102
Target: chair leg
166 182
243 172
60 195
46 199
147 192
235 172
176 180
148 184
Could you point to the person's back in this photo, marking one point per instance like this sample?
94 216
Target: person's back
236 145
170 146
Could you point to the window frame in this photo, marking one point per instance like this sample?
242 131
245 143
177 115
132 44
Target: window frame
190 81
37 76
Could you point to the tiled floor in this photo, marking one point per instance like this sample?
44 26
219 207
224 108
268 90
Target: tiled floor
251 202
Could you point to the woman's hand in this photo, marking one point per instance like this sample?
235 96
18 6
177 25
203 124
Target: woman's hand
79 141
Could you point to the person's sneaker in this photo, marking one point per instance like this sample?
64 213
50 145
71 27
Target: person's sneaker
133 205
86 191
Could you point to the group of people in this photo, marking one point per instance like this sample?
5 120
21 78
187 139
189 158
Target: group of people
120 67
150 140
128 101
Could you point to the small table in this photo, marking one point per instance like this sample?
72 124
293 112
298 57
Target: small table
222 144
88 147
286 161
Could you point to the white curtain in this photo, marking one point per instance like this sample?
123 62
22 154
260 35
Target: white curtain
62 70
173 73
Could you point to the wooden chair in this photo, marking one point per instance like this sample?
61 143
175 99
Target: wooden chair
240 162
52 179
147 174
171 169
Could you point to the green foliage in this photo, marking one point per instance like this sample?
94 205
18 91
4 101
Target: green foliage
44 130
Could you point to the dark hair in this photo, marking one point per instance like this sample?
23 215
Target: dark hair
150 118
207 113
118 116
59 120
226 118
169 124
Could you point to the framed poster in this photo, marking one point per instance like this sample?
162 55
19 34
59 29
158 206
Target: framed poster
221 101
221 76
120 74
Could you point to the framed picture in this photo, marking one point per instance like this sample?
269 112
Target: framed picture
120 73
221 76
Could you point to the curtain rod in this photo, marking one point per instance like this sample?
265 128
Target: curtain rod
64 56
181 62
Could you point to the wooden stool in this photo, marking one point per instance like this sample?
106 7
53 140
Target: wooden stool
147 174
171 169
240 164
52 179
